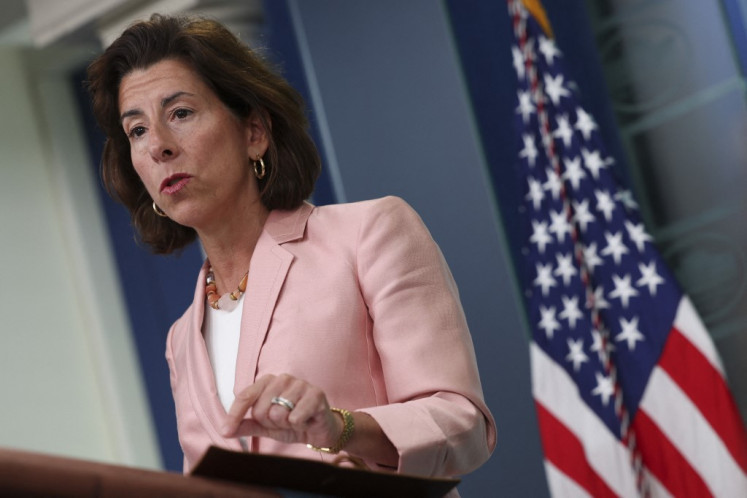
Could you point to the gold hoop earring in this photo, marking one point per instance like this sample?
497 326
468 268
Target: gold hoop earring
159 211
259 168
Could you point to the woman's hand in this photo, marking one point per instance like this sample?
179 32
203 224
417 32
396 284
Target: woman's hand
308 419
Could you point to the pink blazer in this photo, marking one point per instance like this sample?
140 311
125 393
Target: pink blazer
357 300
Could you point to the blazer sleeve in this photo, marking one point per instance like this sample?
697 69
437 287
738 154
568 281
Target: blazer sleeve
435 414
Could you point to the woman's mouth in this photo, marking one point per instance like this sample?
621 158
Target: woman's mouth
174 183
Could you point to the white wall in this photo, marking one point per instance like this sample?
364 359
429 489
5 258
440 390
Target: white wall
69 379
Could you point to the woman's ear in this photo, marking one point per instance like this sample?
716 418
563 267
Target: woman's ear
259 128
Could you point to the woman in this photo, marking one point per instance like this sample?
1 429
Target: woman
313 330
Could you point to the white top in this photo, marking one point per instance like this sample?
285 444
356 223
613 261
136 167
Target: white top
222 330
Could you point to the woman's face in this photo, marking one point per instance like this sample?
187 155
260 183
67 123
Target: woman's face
190 151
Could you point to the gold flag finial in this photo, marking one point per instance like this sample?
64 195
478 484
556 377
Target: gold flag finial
538 12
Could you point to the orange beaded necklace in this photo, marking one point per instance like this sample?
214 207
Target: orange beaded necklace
211 290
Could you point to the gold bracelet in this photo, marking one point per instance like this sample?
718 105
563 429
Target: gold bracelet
347 432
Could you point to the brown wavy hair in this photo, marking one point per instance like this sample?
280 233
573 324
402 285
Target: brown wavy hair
240 78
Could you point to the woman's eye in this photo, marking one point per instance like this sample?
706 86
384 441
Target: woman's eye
182 113
137 132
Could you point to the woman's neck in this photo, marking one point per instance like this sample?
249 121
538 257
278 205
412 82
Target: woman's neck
230 245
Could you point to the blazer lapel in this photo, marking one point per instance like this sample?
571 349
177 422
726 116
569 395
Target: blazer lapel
202 390
267 272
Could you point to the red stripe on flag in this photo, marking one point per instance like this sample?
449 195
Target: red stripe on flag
566 452
663 460
705 386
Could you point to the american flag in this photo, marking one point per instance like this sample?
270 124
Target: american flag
629 390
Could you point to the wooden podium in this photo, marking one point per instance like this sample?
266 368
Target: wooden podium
221 473
33 475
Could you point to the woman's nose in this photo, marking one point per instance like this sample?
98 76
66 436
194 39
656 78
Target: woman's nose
161 144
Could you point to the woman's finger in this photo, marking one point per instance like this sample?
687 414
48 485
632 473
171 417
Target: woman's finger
241 404
283 406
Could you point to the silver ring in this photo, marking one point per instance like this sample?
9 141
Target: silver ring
285 403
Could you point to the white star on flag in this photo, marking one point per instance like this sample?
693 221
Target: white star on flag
570 312
585 123
615 246
566 270
518 61
582 214
605 388
605 204
544 278
573 172
540 235
526 107
554 88
593 162
623 290
576 353
553 184
563 131
630 332
548 323
536 193
650 278
591 257
599 302
559 225
637 233
529 152
548 48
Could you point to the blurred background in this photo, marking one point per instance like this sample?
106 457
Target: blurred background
413 98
